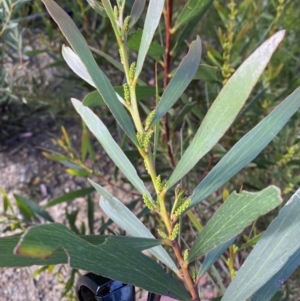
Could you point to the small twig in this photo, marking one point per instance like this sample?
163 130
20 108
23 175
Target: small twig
168 20
185 271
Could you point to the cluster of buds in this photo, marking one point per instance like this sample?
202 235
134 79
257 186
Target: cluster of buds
150 204
186 254
149 119
144 139
182 206
124 29
162 233
159 183
146 165
126 94
194 274
116 13
182 202
131 73
174 232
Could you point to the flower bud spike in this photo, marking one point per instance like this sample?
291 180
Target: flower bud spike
121 57
162 233
147 139
126 93
140 139
175 232
146 165
180 209
149 120
116 13
159 183
149 203
186 254
126 25
194 274
132 71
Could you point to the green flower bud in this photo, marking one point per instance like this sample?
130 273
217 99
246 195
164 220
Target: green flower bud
120 31
126 25
116 12
159 183
194 274
162 234
149 203
149 120
126 93
186 254
121 57
181 208
132 71
147 138
174 232
146 165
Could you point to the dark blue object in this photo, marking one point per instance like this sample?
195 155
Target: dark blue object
92 287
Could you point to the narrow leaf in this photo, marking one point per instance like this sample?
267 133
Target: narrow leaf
123 217
192 9
247 148
111 259
213 256
154 12
101 132
269 289
9 259
273 256
181 79
136 11
102 83
33 207
75 63
226 107
97 6
234 215
69 196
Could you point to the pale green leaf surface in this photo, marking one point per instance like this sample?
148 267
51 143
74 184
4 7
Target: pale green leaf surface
136 11
102 83
100 131
226 107
75 63
247 148
154 12
123 217
272 254
179 82
192 9
268 290
9 259
111 259
233 216
213 256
